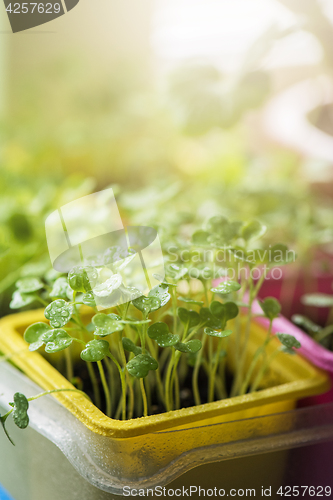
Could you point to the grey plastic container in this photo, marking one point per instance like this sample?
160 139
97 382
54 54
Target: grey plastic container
58 457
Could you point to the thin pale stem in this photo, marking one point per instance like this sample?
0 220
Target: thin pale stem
97 396
105 388
196 392
144 398
263 370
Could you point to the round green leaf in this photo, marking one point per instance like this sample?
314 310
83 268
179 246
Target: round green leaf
89 299
129 346
202 271
33 335
200 238
222 230
106 324
108 286
61 289
140 366
253 230
188 316
176 272
29 285
95 350
20 415
191 301
161 292
218 310
160 333
82 278
160 278
147 304
231 310
192 346
279 255
288 341
21 300
226 287
217 224
216 333
58 313
56 340
317 300
209 319
306 323
270 307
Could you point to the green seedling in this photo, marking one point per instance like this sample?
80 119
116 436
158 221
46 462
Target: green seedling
142 352
322 334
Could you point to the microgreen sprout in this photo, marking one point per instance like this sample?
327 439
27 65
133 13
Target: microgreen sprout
321 334
140 354
20 406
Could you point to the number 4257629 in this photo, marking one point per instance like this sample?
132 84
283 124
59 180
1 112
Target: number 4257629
30 8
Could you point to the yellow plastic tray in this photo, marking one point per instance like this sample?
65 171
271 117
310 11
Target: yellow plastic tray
293 378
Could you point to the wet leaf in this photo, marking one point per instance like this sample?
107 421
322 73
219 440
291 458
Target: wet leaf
108 286
88 299
188 316
20 415
82 278
270 307
176 272
209 319
129 346
218 310
288 341
161 292
29 285
217 333
231 309
200 238
21 300
191 301
105 324
95 350
253 230
58 313
280 254
33 335
147 304
56 340
222 230
317 300
140 365
61 289
160 333
161 278
192 346
226 287
306 323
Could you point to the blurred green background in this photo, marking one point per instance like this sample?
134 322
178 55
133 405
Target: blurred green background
187 108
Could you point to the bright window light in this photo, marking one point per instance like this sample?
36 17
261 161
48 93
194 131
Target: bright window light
221 32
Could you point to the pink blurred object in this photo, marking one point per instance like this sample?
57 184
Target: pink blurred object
295 282
311 350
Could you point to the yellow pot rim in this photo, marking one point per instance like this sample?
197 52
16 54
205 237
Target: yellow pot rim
313 381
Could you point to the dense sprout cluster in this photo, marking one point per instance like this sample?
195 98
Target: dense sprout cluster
168 349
